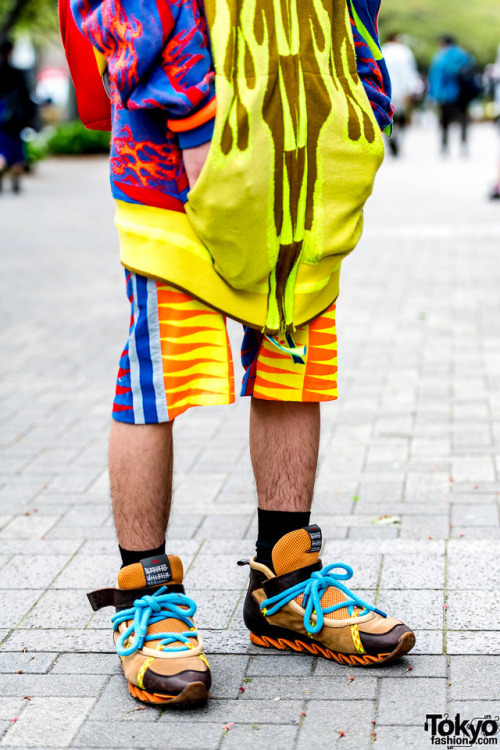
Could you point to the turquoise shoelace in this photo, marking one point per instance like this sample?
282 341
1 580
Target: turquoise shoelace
312 590
148 610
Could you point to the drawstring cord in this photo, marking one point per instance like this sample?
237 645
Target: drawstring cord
297 353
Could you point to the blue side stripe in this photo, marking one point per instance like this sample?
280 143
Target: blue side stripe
144 353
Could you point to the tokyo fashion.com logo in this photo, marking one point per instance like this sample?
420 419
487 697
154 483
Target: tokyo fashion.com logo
458 732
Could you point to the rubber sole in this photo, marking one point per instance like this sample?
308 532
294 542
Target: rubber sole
194 694
405 644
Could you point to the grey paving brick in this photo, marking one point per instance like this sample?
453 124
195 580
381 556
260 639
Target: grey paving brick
34 526
411 738
473 469
374 532
240 548
465 610
365 567
234 640
85 516
221 527
51 458
116 702
425 527
336 686
473 564
473 642
202 488
251 736
47 685
488 533
90 663
241 712
77 641
48 722
410 571
421 666
420 607
228 673
423 487
11 707
195 737
60 609
40 547
404 702
88 572
282 664
15 606
470 709
325 720
4 726
216 572
474 515
29 663
474 677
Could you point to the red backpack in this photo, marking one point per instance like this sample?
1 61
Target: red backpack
88 71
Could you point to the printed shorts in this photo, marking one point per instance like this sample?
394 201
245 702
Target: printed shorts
178 356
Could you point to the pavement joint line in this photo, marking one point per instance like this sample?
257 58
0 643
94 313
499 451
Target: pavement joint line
26 614
233 613
198 552
250 522
304 708
379 578
445 599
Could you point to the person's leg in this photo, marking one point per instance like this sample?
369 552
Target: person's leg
16 171
140 471
284 444
464 124
445 124
157 381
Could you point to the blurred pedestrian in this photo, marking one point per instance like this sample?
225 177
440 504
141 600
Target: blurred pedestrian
492 73
406 84
16 112
452 87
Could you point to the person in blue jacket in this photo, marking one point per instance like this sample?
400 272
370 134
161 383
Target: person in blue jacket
450 86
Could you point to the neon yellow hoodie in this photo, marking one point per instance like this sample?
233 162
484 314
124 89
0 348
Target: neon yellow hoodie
294 153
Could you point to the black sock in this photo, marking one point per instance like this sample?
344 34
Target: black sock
273 524
129 557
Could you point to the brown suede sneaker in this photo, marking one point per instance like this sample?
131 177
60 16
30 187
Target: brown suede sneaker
304 606
159 647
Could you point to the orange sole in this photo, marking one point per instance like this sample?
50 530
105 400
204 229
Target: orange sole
193 694
353 660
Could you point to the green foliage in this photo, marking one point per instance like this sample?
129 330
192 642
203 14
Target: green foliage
476 25
37 149
72 138
38 17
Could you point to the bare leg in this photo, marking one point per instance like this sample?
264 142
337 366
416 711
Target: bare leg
140 470
284 444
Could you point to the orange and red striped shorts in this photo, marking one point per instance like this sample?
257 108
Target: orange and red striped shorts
178 356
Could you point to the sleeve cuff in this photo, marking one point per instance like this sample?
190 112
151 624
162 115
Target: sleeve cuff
196 136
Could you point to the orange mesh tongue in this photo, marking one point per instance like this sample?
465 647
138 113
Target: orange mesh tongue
297 550
152 571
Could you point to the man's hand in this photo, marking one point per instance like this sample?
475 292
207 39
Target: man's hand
194 159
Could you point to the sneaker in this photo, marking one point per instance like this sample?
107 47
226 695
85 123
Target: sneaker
155 637
303 606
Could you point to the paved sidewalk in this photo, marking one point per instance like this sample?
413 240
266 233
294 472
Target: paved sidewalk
407 488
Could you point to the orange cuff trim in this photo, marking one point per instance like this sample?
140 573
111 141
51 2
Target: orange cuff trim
193 121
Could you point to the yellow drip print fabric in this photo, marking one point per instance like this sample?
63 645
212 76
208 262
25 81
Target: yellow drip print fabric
295 149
